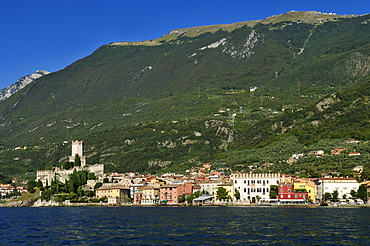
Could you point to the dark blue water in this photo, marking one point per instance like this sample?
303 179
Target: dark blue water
184 226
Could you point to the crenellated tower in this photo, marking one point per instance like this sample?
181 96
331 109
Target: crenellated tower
78 149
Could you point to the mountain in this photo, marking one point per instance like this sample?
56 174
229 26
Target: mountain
21 83
202 94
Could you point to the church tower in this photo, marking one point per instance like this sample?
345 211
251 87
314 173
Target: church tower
78 149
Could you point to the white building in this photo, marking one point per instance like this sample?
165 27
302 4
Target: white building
251 185
342 185
210 186
78 149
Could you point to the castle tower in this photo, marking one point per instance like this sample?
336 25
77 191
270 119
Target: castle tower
78 149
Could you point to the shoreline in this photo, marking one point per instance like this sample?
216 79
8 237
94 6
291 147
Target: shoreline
40 204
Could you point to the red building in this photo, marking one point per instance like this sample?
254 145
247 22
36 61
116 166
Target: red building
287 194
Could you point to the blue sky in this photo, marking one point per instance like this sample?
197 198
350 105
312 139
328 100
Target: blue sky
52 34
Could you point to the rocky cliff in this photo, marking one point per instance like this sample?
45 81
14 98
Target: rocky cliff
21 83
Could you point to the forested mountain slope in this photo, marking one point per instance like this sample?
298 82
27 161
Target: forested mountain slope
226 87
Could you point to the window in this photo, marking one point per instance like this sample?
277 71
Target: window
245 181
281 190
258 181
236 182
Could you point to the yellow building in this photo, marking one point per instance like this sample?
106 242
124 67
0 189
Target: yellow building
308 185
227 186
116 194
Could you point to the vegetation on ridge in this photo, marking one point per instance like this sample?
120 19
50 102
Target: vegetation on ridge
189 100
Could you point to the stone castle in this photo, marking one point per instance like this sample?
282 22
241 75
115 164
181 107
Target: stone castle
47 176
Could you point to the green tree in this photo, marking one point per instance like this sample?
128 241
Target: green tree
67 165
31 184
327 196
5 179
258 198
273 191
77 161
353 194
46 195
190 198
222 193
98 185
335 195
181 198
362 193
91 176
72 196
237 195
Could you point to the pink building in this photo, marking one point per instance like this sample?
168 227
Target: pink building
170 193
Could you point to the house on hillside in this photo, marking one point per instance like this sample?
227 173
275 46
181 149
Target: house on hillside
337 151
354 153
352 141
317 153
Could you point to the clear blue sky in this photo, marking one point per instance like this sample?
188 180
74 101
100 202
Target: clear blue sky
51 34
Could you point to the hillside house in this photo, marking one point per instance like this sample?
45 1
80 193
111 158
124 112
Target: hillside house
337 151
317 153
354 153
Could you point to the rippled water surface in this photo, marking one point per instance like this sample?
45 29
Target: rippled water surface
184 226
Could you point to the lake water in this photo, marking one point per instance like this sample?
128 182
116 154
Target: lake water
185 226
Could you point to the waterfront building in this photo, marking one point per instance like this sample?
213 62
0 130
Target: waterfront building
308 185
116 194
210 186
146 196
169 194
254 186
287 193
229 187
344 186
